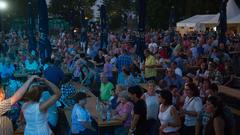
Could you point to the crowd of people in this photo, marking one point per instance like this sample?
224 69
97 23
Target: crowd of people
177 99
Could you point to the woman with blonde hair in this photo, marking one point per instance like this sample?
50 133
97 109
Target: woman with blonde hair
35 112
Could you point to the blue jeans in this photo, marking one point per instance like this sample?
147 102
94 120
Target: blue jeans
86 132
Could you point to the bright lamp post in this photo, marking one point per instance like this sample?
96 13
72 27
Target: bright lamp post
3 7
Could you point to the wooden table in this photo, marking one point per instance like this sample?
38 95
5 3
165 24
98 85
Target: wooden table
192 69
91 107
234 52
24 74
20 75
231 92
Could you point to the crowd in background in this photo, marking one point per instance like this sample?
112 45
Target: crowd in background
177 100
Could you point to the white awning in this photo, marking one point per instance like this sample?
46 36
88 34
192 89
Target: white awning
194 20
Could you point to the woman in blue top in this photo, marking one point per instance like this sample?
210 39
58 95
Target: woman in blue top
81 120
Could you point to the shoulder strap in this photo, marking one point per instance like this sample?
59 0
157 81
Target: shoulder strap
189 101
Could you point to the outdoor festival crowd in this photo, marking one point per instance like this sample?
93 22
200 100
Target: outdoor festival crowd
172 91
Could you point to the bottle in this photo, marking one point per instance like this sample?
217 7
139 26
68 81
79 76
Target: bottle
97 105
108 116
98 110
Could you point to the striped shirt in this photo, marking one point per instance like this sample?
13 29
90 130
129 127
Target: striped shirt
6 127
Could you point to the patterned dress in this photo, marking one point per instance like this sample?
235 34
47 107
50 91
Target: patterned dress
6 127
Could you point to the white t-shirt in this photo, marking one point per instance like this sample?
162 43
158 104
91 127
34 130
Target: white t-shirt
178 71
192 104
153 47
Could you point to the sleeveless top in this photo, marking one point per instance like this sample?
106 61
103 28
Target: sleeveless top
152 103
166 117
6 127
36 121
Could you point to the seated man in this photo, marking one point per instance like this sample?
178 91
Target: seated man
106 88
173 79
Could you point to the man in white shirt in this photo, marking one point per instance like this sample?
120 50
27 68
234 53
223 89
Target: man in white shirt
153 47
177 70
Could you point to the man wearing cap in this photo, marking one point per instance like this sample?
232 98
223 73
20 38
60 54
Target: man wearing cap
81 119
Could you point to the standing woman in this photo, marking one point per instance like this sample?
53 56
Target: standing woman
191 108
217 124
152 102
35 112
170 121
6 127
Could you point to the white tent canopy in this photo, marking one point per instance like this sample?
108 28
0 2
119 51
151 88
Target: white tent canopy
213 20
194 20
235 19
232 9
199 22
232 12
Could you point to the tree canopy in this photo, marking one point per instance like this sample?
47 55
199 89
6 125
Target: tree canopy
158 11
70 9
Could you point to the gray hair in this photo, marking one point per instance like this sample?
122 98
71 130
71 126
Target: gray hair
124 94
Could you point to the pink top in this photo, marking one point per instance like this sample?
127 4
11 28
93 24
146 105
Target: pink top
123 109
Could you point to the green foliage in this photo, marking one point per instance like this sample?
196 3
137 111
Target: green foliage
158 11
115 9
70 9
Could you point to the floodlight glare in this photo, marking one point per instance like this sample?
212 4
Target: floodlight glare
3 5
